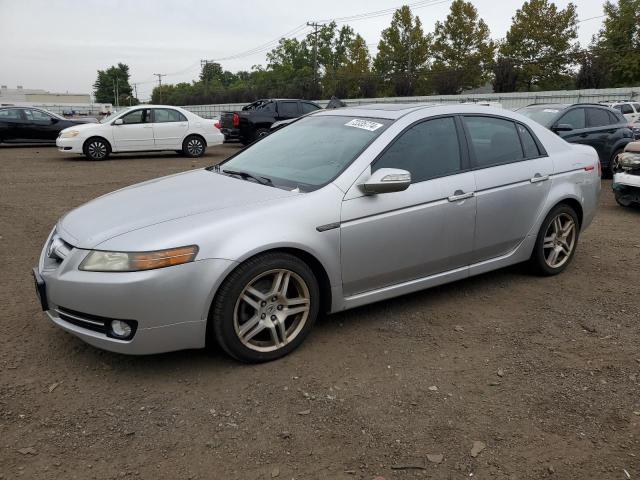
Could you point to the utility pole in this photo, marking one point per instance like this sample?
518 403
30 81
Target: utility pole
315 26
204 63
135 89
160 75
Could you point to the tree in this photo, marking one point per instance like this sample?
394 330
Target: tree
593 73
505 75
542 41
462 50
619 42
403 53
114 78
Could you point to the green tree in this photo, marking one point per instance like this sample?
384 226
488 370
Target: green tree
114 78
462 50
542 40
619 42
505 75
403 53
593 73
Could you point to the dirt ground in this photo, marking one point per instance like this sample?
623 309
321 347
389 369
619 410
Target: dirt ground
545 372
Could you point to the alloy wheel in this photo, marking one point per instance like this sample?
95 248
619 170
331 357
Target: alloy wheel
195 147
559 240
271 310
97 150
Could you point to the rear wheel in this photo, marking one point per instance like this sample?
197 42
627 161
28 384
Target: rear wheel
622 198
557 241
193 146
265 308
96 149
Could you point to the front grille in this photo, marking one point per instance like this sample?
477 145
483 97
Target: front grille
84 320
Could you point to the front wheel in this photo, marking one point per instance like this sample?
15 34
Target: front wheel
193 146
557 241
96 149
265 308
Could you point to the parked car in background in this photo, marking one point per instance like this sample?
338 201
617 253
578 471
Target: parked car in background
626 179
142 128
33 125
598 126
255 119
630 110
339 209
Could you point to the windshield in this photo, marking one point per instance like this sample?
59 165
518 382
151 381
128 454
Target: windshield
108 118
543 114
310 152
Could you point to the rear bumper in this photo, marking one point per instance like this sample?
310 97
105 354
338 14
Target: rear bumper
231 133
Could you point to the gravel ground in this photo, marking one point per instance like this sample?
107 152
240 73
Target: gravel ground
505 375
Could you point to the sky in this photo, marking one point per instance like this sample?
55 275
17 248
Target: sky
58 45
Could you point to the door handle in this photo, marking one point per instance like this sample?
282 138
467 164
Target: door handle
460 195
539 178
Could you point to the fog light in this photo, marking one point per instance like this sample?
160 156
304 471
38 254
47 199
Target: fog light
120 329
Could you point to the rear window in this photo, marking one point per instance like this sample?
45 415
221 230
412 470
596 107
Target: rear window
528 143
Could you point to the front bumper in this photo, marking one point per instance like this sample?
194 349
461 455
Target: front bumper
69 145
626 179
169 306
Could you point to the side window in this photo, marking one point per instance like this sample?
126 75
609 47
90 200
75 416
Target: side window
137 116
38 116
574 117
288 109
528 143
597 117
618 107
308 107
626 109
494 140
164 115
11 115
427 150
614 118
637 107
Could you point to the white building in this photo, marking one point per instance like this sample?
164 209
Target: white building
61 103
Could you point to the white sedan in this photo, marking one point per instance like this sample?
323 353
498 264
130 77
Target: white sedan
142 128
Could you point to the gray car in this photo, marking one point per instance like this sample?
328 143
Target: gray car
340 209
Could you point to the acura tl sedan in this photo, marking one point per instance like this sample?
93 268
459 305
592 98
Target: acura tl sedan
140 129
340 209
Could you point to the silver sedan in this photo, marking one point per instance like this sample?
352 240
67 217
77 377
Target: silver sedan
339 209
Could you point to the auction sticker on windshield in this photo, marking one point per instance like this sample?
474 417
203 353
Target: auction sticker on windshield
364 124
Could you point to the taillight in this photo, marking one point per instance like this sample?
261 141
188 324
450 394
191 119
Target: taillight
599 169
236 120
217 125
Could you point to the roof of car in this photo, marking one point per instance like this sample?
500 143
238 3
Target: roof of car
380 110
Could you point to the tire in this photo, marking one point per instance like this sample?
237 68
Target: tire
96 149
259 133
542 260
613 163
622 199
194 146
248 317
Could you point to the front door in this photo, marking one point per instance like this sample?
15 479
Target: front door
135 133
511 175
387 239
43 127
169 128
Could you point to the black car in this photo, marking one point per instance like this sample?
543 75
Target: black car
255 119
605 129
32 125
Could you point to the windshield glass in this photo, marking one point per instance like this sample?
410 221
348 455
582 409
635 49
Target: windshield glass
108 118
543 114
310 152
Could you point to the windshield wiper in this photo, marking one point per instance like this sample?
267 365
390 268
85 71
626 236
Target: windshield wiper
244 175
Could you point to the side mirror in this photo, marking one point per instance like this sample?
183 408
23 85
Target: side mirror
387 180
118 121
562 127
54 120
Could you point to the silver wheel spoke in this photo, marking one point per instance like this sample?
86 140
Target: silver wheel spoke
553 257
559 240
251 328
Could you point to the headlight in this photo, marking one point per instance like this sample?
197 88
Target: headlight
100 261
70 134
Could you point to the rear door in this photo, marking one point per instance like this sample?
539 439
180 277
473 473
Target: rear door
136 132
13 125
391 238
511 175
170 127
288 109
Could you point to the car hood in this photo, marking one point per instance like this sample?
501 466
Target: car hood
160 200
83 126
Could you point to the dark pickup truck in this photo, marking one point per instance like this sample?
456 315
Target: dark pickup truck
255 119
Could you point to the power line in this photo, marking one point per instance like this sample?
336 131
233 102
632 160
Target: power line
160 75
383 12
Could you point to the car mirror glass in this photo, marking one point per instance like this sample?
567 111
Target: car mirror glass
118 121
